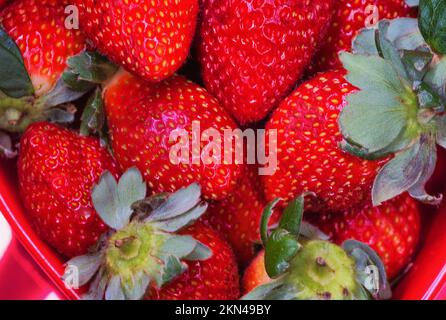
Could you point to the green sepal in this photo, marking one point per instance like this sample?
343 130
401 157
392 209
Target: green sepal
173 267
86 70
368 262
113 200
377 116
93 117
86 266
115 289
412 3
311 232
408 171
416 63
428 98
137 287
14 78
274 290
436 77
292 216
266 215
441 132
7 149
280 249
432 23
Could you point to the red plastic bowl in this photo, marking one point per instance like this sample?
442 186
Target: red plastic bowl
426 280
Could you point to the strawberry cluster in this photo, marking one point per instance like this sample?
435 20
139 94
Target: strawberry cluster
354 91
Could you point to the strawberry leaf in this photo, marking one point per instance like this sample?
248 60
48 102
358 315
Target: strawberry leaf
432 22
87 266
436 77
93 117
113 200
412 3
138 287
86 70
14 78
292 216
407 171
114 289
381 117
366 258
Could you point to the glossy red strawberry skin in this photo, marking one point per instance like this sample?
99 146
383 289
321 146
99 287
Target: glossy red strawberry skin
3 3
38 28
150 38
252 53
350 17
214 279
237 217
57 169
141 118
392 230
308 153
255 274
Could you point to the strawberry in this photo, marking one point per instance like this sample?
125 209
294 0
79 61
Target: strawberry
308 155
255 274
213 279
57 169
35 49
297 265
3 3
238 216
153 249
253 53
149 38
38 29
142 118
392 230
397 113
350 17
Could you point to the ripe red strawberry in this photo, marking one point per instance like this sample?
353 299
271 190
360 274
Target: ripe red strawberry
308 155
255 274
238 216
213 279
57 169
297 265
350 17
253 53
154 250
36 50
142 117
149 38
392 230
38 28
3 3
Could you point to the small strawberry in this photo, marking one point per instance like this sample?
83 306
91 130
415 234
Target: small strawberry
392 230
149 253
144 117
57 169
295 265
350 17
238 216
213 279
308 155
253 53
36 48
255 274
149 38
397 112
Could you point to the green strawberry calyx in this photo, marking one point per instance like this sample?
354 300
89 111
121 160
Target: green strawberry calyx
306 266
141 249
21 106
399 109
